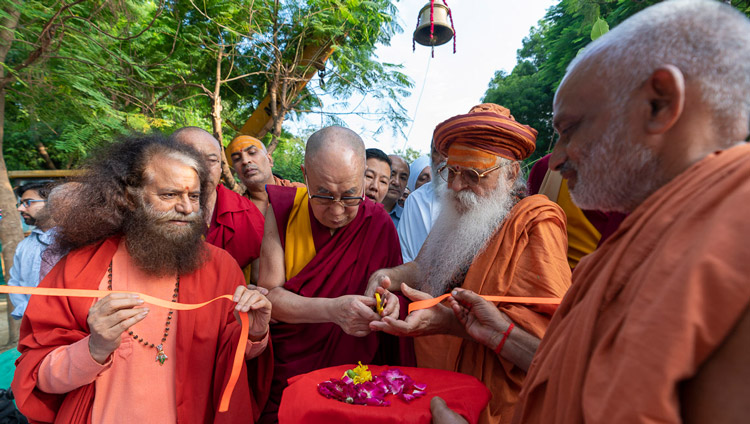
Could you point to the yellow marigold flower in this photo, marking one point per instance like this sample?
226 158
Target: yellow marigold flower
359 374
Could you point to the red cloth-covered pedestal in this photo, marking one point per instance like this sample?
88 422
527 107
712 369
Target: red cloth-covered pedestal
301 402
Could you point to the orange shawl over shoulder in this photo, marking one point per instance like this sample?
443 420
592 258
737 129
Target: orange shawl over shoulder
651 305
526 257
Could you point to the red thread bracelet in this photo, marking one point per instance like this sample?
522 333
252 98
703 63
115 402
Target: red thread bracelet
505 337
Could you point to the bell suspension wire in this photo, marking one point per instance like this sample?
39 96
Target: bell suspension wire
416 109
432 24
450 15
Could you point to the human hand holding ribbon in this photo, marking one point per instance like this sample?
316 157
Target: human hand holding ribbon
239 356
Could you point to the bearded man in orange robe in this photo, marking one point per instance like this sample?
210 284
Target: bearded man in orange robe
135 224
656 327
489 238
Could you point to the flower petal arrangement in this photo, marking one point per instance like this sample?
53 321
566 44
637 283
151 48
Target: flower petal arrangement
357 386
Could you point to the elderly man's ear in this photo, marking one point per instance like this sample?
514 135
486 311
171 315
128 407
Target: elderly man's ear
664 93
130 202
514 170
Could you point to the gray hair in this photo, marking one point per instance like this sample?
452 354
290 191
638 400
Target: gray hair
709 42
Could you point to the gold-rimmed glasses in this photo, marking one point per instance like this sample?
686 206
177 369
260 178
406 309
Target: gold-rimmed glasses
345 201
470 175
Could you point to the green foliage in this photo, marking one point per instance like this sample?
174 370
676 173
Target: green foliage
600 28
409 154
288 157
119 66
528 91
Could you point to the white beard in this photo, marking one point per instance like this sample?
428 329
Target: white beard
461 232
602 186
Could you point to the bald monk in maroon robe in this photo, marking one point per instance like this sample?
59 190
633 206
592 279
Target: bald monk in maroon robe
319 250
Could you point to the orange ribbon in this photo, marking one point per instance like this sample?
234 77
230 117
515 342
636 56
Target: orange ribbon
239 354
428 303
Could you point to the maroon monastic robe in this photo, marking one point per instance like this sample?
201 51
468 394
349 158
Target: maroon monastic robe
236 226
342 266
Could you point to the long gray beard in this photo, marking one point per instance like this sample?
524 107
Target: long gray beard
160 249
465 225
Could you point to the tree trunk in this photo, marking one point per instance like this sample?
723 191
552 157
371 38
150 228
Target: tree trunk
45 155
278 116
11 232
216 122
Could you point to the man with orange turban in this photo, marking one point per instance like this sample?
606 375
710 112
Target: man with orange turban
492 239
253 164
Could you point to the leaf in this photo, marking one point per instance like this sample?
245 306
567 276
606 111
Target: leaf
600 28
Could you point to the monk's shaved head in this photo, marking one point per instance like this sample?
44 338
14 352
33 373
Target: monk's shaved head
186 134
334 167
206 144
334 143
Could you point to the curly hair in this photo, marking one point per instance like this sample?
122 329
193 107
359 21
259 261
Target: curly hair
96 204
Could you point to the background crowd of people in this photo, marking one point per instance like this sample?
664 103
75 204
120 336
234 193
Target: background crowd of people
635 222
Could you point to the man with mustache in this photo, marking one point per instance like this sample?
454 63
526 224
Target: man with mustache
653 118
492 239
135 224
396 188
28 257
320 246
254 166
234 223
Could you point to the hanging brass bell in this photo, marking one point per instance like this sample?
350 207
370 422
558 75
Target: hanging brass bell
442 31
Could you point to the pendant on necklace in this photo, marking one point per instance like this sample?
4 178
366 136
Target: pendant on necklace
160 355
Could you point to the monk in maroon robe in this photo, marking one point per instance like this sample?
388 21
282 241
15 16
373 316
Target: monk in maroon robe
234 223
236 226
319 249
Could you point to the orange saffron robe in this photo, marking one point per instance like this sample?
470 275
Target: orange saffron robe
651 305
527 256
205 341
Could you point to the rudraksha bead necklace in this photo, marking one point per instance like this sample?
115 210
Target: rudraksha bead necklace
160 355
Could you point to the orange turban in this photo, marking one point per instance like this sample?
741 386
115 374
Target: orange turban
488 128
242 142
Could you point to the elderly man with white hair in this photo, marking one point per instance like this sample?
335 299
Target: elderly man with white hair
656 327
489 238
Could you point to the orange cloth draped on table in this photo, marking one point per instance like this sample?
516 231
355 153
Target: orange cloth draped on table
651 305
206 341
526 257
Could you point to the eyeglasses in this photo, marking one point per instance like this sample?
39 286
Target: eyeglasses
345 201
470 175
27 202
